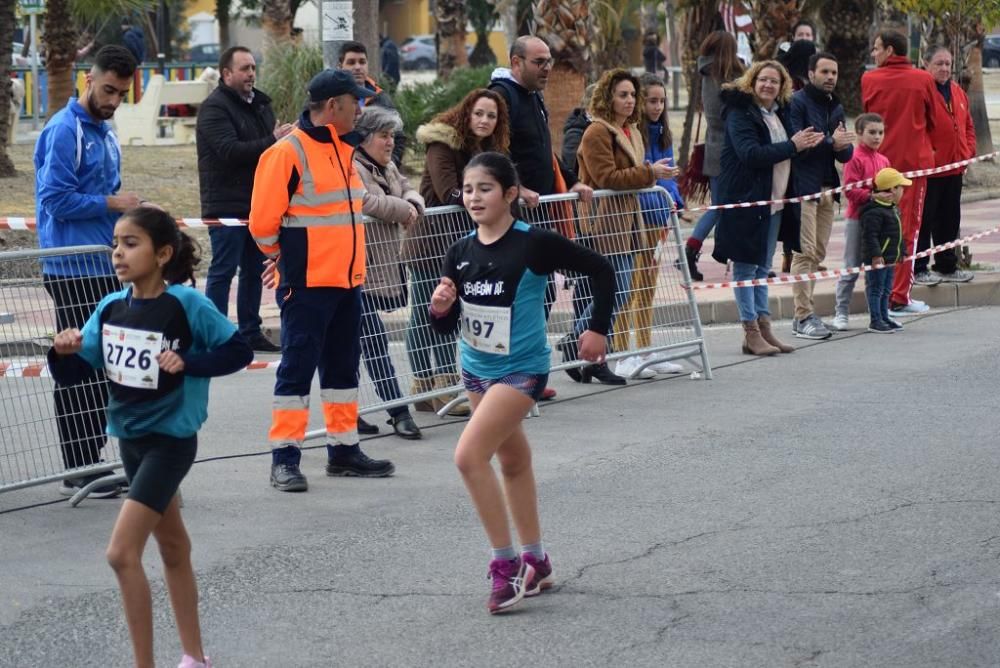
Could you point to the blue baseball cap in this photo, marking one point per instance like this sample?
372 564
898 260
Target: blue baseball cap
331 83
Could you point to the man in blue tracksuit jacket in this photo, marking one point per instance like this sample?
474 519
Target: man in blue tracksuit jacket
77 179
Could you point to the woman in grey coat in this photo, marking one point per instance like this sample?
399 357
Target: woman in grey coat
390 205
717 64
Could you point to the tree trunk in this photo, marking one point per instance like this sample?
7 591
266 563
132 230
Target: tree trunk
449 15
276 20
60 35
562 95
977 103
6 46
773 21
222 16
848 28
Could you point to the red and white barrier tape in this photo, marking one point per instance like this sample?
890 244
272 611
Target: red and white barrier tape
836 273
12 223
40 369
845 187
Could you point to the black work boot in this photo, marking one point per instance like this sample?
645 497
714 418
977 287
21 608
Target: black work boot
285 473
345 461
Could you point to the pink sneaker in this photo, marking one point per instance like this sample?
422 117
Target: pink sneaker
543 577
509 578
190 662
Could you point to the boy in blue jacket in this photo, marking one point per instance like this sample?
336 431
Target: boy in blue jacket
881 246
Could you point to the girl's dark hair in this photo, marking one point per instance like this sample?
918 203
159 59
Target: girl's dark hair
726 65
647 81
498 166
163 230
866 119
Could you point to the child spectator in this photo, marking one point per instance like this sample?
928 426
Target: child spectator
863 165
638 314
882 246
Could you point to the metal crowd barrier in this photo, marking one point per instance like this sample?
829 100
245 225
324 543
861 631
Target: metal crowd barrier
403 361
36 445
660 319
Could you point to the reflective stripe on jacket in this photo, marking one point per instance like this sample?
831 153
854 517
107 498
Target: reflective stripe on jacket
306 210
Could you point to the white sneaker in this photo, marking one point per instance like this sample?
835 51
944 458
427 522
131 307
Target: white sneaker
664 367
629 368
913 308
839 322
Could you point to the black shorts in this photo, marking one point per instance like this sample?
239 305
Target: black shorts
155 465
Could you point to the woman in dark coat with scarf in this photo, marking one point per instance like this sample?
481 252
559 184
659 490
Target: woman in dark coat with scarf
756 165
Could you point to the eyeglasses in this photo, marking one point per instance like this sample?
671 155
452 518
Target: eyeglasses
769 80
542 63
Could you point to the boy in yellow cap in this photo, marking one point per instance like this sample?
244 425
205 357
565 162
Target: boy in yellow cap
882 246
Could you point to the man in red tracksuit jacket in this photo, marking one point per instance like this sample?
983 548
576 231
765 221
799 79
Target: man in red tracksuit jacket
954 139
905 98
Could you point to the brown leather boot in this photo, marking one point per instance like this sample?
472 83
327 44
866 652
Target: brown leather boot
447 380
419 386
764 324
753 342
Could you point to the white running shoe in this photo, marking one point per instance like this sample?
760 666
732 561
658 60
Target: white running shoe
839 322
629 368
664 367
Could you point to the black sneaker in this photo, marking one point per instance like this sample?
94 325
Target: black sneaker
73 485
359 465
261 344
288 478
879 327
365 427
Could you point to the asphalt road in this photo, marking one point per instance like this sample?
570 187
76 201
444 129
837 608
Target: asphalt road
833 507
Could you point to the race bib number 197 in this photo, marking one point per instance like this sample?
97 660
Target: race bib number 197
130 356
486 328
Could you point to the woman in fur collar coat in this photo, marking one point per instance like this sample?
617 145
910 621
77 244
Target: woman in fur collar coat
612 157
478 123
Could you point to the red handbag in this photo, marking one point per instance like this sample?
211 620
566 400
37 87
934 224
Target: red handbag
693 183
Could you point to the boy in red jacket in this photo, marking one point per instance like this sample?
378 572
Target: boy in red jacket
864 164
905 98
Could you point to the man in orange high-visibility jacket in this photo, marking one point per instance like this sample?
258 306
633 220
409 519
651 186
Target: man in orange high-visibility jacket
305 213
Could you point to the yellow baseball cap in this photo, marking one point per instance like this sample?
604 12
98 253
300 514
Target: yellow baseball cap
889 178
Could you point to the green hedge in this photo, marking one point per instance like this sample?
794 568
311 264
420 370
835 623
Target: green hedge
284 75
420 102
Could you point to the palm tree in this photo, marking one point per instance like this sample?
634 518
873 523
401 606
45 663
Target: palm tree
6 45
482 15
567 27
450 18
276 19
773 21
848 31
61 33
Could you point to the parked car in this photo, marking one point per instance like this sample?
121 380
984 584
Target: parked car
204 53
418 52
991 51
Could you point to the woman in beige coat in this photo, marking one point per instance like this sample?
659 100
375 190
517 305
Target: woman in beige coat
390 205
612 157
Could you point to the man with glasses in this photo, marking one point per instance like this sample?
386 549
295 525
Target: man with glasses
530 142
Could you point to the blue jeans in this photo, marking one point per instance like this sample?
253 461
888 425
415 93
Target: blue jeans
375 353
878 287
232 248
707 222
622 264
752 302
430 354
